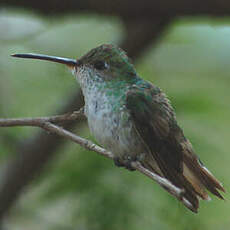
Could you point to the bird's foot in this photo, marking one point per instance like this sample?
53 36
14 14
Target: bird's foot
118 162
126 163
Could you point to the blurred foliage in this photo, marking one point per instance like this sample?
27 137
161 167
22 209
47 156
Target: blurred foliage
81 190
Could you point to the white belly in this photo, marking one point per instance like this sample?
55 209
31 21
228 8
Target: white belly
112 128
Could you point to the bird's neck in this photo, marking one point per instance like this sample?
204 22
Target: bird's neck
94 84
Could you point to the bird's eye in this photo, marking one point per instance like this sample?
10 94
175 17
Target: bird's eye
100 65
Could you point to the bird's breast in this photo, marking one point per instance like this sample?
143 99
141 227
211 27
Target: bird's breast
110 123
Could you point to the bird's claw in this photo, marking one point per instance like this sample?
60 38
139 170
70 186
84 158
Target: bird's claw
124 163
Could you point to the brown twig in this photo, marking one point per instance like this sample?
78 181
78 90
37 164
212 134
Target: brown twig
40 120
38 150
46 123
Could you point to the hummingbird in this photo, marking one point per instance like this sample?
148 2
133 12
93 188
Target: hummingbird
134 119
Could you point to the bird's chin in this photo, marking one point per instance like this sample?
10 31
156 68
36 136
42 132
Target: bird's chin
77 74
72 70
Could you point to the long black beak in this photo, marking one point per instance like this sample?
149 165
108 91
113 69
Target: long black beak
69 62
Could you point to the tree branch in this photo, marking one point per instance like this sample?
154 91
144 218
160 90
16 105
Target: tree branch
32 156
46 124
40 120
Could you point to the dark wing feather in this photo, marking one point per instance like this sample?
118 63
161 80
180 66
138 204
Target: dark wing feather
155 123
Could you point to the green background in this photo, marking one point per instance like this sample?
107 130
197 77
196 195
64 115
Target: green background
80 189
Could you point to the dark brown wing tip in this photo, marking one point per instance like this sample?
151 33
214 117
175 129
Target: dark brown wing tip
219 195
192 207
221 188
214 191
194 211
217 184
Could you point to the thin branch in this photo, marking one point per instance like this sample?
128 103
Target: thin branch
38 150
39 120
45 123
79 140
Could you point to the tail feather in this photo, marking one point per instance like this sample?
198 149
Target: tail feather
209 179
189 198
205 177
195 180
200 178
